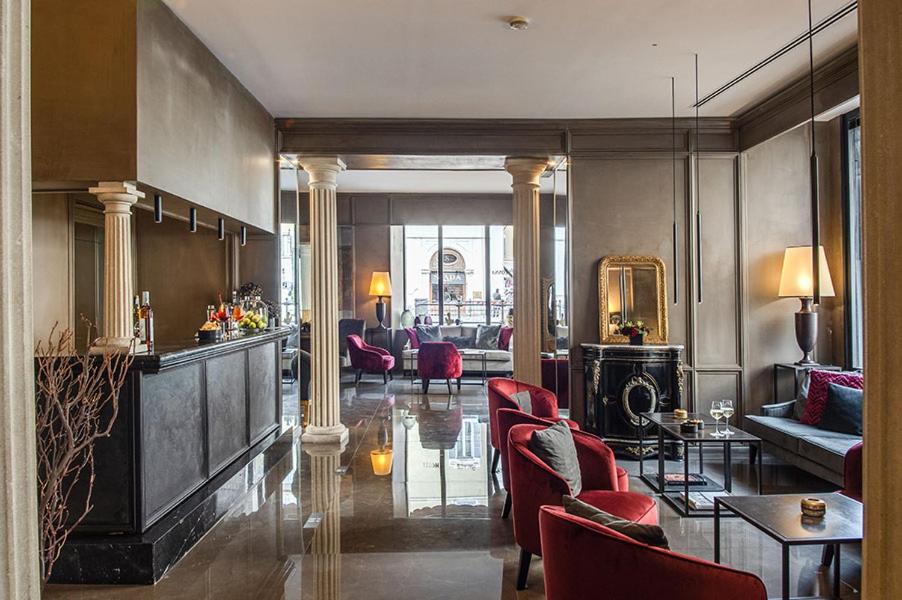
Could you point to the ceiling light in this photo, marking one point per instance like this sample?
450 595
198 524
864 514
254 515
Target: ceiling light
518 23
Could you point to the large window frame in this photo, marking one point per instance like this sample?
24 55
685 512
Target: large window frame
852 240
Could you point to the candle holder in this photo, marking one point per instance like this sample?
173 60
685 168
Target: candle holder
813 508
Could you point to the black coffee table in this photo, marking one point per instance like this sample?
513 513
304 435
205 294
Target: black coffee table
780 517
677 494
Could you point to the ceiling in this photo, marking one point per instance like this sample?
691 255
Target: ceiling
444 59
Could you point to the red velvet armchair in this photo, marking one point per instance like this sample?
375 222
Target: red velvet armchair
583 559
534 484
369 359
439 360
544 405
852 487
506 419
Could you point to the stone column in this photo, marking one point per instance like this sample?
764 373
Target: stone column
879 59
325 549
19 548
117 198
325 426
527 300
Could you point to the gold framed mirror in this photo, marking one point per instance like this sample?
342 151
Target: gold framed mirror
632 288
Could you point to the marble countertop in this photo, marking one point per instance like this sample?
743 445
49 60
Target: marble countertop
173 353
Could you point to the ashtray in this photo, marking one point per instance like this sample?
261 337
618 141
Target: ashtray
813 508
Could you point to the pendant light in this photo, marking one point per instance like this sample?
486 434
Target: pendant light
220 229
676 253
815 200
157 208
698 204
192 219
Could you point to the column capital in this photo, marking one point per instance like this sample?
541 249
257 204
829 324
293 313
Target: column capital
116 196
322 169
526 169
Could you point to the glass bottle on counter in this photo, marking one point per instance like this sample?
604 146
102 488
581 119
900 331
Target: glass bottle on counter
146 321
136 319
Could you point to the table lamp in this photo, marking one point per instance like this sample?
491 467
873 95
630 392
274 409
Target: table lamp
797 281
380 286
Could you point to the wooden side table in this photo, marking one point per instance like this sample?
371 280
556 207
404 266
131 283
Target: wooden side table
798 372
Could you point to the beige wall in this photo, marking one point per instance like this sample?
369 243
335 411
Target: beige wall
52 245
778 214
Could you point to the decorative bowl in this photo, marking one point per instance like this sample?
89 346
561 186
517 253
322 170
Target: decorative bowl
813 508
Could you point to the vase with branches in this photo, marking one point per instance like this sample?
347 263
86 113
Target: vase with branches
77 400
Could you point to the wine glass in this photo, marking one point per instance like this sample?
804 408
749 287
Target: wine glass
726 409
716 412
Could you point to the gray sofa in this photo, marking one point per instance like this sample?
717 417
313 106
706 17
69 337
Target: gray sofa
815 450
497 362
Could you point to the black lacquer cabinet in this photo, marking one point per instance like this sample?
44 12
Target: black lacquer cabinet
621 382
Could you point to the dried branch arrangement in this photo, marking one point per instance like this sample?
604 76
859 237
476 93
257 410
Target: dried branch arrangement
77 403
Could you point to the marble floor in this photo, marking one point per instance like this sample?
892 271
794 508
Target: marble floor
323 526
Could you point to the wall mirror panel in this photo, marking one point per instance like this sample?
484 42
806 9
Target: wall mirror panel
632 288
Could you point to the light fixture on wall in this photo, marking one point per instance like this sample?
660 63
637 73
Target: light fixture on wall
192 219
220 229
797 281
675 233
817 290
157 208
380 286
243 235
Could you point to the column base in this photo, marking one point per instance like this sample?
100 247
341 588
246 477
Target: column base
111 344
335 435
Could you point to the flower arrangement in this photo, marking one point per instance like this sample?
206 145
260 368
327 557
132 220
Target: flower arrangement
633 329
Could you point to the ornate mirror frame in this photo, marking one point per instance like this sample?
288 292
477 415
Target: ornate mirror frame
657 337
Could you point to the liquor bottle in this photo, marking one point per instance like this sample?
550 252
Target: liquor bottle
136 319
147 320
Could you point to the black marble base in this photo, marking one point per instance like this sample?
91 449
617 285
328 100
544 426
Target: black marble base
144 559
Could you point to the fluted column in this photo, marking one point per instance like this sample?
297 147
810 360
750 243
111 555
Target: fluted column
117 198
19 547
325 549
325 426
527 301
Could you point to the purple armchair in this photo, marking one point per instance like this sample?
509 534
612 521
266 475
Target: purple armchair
439 360
369 359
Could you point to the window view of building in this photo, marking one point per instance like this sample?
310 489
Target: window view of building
855 301
459 274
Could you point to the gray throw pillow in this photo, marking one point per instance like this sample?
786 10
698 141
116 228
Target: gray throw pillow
798 409
524 399
487 337
429 333
651 535
554 446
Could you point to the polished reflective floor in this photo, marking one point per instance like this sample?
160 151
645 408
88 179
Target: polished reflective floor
327 524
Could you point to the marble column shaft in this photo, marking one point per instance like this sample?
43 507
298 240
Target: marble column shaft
118 271
325 420
19 546
527 300
325 549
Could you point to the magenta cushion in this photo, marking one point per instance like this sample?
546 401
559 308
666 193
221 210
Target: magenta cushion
412 336
504 338
817 391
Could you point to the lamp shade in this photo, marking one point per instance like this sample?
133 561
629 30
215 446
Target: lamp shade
380 284
796 280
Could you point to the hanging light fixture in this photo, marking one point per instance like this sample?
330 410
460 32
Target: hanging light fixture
192 219
815 200
698 204
676 253
220 229
243 235
157 208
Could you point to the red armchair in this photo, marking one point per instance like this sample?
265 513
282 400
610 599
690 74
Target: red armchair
534 484
852 486
369 359
507 418
544 405
583 559
439 360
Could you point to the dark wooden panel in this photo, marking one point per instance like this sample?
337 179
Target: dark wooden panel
226 408
172 437
262 390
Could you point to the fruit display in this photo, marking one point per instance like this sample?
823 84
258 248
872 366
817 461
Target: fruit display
209 326
252 322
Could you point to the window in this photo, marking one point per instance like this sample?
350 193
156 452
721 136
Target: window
459 274
852 194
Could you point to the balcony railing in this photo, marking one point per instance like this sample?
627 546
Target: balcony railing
468 312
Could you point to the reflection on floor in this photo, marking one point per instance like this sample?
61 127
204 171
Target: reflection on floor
324 525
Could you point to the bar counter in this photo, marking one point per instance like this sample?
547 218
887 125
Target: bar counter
187 411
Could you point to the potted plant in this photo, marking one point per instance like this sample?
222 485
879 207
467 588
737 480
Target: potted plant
635 331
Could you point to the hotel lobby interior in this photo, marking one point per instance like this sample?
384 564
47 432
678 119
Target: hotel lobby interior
338 301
